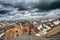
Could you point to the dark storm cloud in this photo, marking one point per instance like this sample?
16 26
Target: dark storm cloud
3 11
42 5
46 5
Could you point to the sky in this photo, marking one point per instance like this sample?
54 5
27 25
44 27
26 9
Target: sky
29 9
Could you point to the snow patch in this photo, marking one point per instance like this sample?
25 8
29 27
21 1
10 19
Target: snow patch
37 34
39 27
48 27
1 35
56 22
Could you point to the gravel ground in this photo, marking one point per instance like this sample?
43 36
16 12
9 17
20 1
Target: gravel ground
33 37
28 37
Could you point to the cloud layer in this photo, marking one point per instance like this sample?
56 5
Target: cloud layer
24 9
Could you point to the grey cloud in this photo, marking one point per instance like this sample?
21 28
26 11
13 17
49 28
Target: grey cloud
48 5
15 9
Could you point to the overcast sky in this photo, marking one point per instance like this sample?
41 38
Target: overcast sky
20 9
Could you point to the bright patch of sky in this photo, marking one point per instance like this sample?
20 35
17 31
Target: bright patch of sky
27 1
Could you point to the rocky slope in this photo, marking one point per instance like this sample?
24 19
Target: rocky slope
37 28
